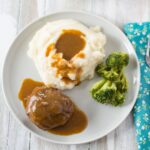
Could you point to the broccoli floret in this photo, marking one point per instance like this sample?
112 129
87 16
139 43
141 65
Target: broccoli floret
107 72
122 83
102 67
117 60
105 93
112 89
118 99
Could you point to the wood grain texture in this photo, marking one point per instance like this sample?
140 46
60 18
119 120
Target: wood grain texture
15 137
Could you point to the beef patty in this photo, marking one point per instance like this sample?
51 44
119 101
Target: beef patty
48 107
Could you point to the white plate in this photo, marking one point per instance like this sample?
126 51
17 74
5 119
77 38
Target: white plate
101 118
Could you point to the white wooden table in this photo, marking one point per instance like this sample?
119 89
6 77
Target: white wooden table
14 15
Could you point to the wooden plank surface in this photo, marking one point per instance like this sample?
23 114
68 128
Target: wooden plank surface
18 13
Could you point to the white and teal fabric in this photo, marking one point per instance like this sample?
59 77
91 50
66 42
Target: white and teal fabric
138 35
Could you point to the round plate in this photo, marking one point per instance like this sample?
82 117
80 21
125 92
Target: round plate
101 118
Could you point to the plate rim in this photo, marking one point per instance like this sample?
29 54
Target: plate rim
57 13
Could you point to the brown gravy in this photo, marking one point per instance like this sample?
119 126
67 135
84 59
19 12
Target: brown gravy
76 124
26 88
81 55
49 48
70 43
65 67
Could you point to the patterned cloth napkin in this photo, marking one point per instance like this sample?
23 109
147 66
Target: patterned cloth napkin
138 35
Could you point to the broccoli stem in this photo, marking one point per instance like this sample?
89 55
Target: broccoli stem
97 85
106 85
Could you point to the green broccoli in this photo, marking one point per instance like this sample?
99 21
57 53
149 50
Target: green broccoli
97 85
102 67
114 66
111 89
107 73
122 83
105 93
117 60
119 99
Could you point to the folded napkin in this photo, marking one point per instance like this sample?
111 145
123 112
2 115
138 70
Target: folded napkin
138 35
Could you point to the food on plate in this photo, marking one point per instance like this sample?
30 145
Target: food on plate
66 52
107 72
76 124
115 64
111 89
50 109
122 83
117 60
104 91
26 89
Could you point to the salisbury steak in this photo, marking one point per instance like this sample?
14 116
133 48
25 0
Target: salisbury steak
49 108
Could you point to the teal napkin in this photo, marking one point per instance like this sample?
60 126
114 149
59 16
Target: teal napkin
138 35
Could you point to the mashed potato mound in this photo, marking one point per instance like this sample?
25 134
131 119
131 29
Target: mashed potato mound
66 52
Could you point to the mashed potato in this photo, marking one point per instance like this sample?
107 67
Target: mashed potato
66 52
